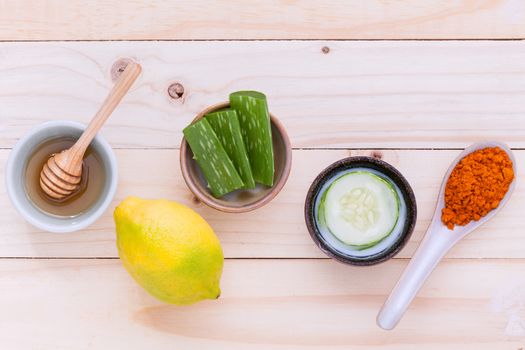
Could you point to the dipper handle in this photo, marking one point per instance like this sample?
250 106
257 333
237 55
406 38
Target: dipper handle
121 87
434 246
61 175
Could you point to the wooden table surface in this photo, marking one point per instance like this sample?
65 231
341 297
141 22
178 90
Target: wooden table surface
413 103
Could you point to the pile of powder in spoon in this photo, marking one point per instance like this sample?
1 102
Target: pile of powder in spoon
476 185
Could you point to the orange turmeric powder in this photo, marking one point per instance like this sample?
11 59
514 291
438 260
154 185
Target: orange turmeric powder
476 186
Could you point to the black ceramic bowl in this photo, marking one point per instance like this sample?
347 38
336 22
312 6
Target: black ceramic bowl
361 258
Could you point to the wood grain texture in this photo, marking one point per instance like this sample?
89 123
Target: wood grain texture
360 94
274 19
265 304
276 230
278 290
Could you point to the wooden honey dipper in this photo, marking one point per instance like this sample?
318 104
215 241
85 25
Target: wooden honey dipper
62 173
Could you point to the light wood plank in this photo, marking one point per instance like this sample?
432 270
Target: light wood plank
265 304
360 94
275 19
276 230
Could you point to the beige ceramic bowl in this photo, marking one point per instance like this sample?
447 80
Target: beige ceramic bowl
241 200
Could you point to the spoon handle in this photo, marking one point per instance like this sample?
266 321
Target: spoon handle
121 87
433 247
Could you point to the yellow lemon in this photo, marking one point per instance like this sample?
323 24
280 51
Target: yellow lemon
169 249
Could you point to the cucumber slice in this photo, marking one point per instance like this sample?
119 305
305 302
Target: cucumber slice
360 208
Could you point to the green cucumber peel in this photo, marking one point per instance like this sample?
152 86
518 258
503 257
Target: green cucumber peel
321 210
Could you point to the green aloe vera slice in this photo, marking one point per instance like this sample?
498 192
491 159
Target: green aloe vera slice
254 120
213 160
225 123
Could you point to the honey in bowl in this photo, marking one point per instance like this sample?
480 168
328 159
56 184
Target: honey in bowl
91 186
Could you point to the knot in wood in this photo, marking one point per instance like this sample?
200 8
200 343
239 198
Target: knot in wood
377 154
176 91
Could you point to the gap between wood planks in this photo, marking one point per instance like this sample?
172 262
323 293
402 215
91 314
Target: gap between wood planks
240 258
248 40
317 148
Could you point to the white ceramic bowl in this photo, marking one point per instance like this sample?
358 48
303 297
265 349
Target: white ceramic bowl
17 163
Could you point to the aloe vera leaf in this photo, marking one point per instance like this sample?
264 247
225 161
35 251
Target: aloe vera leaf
225 123
217 167
254 120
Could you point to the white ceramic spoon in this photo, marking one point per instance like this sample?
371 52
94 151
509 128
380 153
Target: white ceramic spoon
437 242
